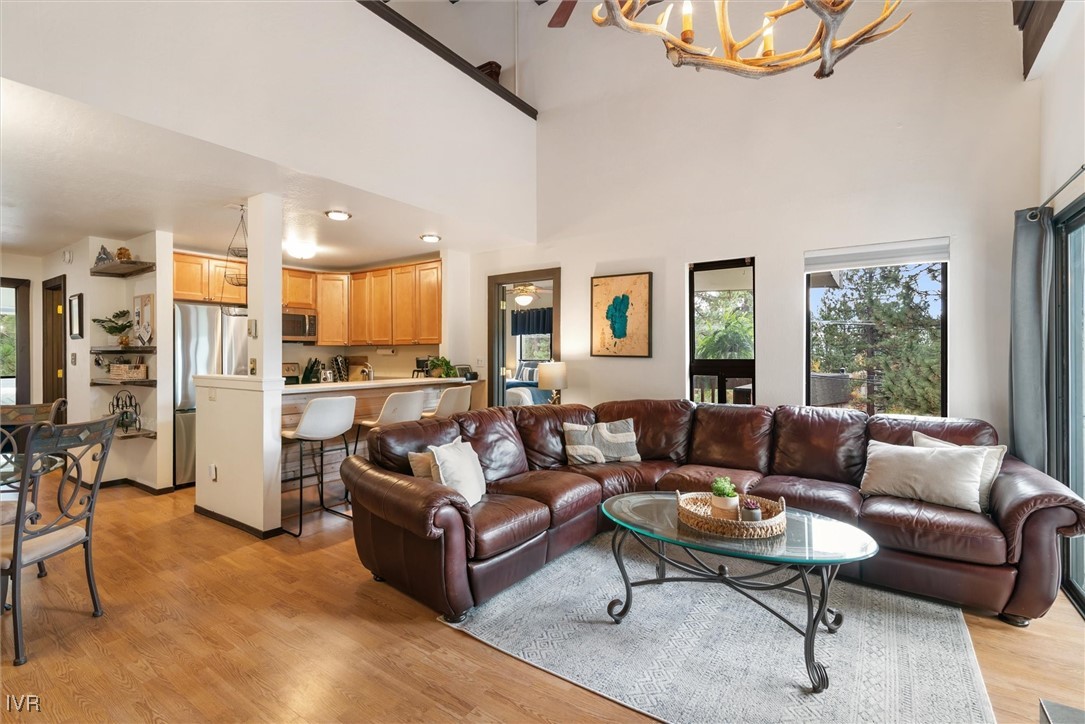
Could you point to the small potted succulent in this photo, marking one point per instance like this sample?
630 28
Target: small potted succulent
749 510
724 498
117 326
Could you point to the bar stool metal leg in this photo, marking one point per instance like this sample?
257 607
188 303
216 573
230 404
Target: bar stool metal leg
341 514
301 490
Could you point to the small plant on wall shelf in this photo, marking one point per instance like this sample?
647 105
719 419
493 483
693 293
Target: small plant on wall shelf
117 326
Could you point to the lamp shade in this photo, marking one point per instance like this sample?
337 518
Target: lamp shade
552 376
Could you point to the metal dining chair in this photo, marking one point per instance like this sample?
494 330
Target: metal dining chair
63 452
324 418
453 400
398 407
17 419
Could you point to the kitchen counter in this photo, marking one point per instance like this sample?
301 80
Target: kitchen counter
373 384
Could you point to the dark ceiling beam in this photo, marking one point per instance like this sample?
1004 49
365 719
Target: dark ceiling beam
1034 18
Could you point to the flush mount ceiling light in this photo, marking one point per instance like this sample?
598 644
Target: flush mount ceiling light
336 215
524 294
824 47
430 238
300 249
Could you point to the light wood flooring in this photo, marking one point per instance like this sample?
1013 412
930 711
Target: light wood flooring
206 623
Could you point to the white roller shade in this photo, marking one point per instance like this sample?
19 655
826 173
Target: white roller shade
893 253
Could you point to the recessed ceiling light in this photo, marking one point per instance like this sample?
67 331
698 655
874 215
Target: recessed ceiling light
301 249
430 238
336 215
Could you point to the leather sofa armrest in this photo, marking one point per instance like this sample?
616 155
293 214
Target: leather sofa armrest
405 501
1018 492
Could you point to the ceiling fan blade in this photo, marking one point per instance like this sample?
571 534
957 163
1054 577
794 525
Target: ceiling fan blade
562 14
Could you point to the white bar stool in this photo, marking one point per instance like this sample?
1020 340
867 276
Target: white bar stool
324 418
398 407
453 400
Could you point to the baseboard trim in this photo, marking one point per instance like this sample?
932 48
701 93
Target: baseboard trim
261 534
135 484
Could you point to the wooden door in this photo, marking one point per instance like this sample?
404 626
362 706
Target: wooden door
54 340
299 289
359 308
404 305
220 290
332 299
190 278
429 302
380 306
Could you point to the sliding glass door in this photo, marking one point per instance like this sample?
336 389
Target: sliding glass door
1075 398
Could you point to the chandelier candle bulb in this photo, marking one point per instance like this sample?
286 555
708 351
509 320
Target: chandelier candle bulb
766 38
687 21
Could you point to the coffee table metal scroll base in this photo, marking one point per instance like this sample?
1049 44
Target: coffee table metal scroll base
817 604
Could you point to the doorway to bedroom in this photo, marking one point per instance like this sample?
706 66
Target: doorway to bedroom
523 330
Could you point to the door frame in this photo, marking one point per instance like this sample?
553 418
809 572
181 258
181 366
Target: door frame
722 369
22 333
57 283
493 311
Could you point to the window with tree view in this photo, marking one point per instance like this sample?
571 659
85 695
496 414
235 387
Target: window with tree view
722 331
877 338
8 346
534 347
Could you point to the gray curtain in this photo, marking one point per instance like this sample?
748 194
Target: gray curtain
1031 335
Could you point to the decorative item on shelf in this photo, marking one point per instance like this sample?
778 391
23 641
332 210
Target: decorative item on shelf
441 367
238 249
749 510
552 376
825 48
122 368
143 318
696 511
105 256
117 326
621 315
125 404
124 253
724 499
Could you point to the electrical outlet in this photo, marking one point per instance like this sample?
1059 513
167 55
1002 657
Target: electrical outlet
479 362
212 394
213 472
73 359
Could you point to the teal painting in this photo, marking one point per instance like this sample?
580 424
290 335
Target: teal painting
622 315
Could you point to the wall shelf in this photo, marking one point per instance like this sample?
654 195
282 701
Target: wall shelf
117 349
122 269
149 434
106 382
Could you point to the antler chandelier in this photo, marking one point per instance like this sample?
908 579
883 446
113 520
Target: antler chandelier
824 46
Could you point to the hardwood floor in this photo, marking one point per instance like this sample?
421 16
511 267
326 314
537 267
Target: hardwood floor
204 622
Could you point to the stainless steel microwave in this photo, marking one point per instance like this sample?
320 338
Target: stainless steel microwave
299 325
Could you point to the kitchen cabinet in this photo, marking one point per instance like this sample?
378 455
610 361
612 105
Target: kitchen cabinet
416 303
359 308
299 289
332 306
379 312
203 279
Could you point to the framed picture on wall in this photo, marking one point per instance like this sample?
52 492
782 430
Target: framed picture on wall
621 315
75 316
143 318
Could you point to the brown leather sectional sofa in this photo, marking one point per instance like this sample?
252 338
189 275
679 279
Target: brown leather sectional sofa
422 537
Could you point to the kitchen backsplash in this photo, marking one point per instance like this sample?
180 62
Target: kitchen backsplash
399 364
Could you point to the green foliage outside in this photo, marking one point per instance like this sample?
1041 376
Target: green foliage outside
723 324
883 328
535 347
7 345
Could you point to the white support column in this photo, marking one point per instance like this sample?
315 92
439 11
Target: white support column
265 270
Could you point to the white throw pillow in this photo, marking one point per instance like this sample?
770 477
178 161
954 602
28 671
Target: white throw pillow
603 442
457 466
992 463
944 476
421 464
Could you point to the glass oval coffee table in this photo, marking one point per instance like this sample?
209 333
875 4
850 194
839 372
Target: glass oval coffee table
813 548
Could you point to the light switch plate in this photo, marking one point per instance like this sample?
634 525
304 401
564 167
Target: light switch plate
73 359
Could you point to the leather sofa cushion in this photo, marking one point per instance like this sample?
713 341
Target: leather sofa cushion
617 478
389 444
493 434
897 429
933 530
698 478
567 495
662 426
540 428
503 522
826 497
732 436
822 443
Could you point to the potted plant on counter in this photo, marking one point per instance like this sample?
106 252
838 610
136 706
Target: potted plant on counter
117 326
724 498
749 510
441 367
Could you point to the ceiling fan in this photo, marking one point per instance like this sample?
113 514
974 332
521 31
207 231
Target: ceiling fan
525 294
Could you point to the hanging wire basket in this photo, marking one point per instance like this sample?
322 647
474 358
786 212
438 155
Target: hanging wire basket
237 279
238 249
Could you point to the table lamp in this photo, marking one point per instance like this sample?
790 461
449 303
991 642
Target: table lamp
552 376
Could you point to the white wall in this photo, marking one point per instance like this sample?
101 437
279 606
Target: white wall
29 267
645 167
326 88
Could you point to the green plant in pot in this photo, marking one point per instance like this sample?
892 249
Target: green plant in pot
117 326
724 498
441 367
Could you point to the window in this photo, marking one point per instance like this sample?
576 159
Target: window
8 345
533 347
14 341
876 332
721 314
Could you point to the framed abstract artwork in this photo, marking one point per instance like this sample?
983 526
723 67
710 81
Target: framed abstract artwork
621 315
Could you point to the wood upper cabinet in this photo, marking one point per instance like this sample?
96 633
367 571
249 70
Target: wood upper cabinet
429 302
203 279
299 289
379 313
404 305
358 327
332 305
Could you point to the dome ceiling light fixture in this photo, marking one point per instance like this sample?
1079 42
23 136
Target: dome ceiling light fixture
824 47
430 238
523 294
337 215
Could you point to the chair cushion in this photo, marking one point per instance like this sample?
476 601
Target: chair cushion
540 428
567 495
732 436
36 549
898 429
662 426
492 432
389 444
836 500
9 504
617 478
503 522
933 530
698 478
822 443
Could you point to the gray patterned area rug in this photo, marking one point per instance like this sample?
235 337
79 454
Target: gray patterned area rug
701 652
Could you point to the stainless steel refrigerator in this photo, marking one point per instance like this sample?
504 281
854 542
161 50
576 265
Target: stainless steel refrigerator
206 341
